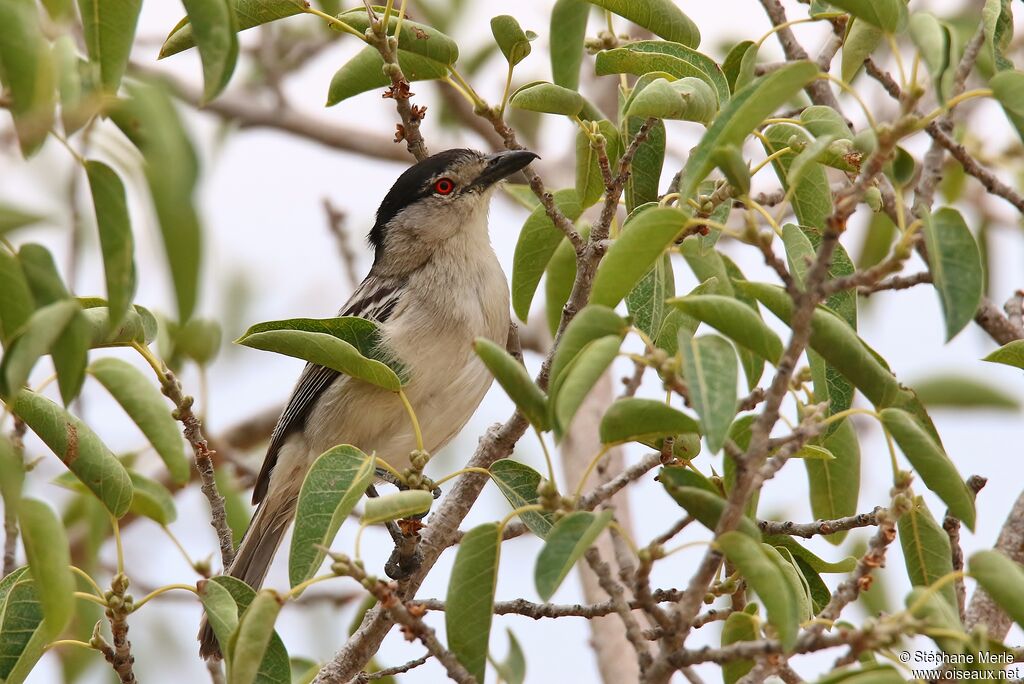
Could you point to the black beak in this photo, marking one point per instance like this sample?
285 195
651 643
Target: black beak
502 165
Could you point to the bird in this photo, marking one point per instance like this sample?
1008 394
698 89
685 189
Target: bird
434 287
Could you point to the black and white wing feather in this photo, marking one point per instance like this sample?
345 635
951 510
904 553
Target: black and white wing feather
375 299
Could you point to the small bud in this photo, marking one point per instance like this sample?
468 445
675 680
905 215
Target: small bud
873 198
796 143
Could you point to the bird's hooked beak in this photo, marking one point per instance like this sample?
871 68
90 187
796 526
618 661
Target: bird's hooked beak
502 165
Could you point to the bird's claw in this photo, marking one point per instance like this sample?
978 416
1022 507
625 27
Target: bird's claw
401 566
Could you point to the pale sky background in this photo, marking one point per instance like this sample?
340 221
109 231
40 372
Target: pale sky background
264 226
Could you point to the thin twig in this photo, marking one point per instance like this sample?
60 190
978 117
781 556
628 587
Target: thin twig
820 527
364 677
193 430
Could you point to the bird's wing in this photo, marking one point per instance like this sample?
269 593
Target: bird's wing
374 299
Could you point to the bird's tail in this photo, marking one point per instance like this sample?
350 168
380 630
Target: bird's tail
252 560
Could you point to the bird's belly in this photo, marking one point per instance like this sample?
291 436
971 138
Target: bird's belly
447 382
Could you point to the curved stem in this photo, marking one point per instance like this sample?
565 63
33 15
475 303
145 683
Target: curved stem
88 578
302 586
462 471
522 509
89 597
333 21
590 468
547 457
118 543
162 590
412 417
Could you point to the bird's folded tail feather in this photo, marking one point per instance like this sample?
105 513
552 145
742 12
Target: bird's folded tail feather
251 563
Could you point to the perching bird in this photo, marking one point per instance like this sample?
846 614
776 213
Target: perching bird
435 286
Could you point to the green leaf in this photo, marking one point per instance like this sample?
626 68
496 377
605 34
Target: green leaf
837 343
997 21
347 344
71 348
511 38
734 319
49 559
705 506
79 448
35 339
416 38
711 373
821 121
639 420
13 218
739 626
538 240
147 408
931 463
671 59
152 500
23 636
116 239
940 620
661 17
396 506
798 587
738 66
516 382
27 66
561 274
888 15
566 543
645 174
569 23
734 167
548 98
746 110
963 392
214 29
589 179
252 638
579 378
759 565
1010 354
591 323
1002 579
17 305
512 670
470 599
811 195
275 667
171 172
861 41
926 550
814 562
109 29
519 482
248 13
834 485
221 612
955 264
139 325
642 241
12 477
364 72
333 486
646 301
76 83
688 99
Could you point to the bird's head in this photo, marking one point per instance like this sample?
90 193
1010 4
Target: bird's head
438 198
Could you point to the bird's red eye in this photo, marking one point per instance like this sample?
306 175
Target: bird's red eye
444 186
